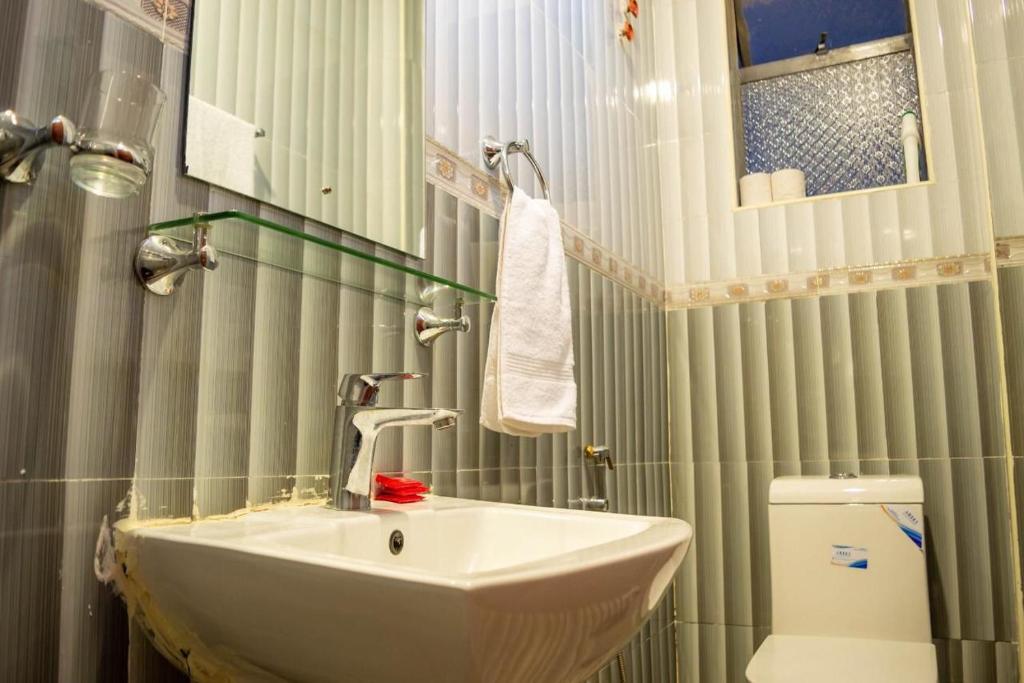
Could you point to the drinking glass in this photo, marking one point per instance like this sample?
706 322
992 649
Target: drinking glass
113 152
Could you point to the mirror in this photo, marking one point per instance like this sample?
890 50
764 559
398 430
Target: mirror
315 107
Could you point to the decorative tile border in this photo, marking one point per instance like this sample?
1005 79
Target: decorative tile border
846 280
600 260
1010 251
166 19
471 184
463 180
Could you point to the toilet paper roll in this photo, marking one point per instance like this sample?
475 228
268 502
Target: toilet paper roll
755 188
789 183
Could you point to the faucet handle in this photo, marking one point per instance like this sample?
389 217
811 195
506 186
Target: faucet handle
602 455
362 389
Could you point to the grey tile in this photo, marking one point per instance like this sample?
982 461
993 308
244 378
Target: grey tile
93 620
967 661
12 37
1011 303
30 579
276 334
145 663
715 653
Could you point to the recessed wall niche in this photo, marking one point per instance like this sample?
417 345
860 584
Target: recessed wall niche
826 98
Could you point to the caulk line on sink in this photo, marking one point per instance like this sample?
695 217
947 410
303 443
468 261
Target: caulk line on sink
131 522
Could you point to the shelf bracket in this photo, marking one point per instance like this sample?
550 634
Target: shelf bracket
428 326
161 263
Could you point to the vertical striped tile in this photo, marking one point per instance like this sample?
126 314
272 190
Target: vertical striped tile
925 353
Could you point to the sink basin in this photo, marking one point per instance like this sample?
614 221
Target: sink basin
465 591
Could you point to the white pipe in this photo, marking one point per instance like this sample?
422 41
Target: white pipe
911 146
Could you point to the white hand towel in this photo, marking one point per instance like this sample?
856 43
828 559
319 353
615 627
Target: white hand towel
529 388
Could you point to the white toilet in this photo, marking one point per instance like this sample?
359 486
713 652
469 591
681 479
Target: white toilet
849 584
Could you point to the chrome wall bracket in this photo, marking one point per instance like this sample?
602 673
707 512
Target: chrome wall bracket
161 263
496 154
22 144
429 326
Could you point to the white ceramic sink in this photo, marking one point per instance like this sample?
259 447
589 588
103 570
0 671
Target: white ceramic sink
479 591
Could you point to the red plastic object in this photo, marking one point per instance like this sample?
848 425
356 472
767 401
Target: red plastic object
399 497
402 485
399 489
627 31
633 8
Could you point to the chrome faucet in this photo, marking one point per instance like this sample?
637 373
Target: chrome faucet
357 423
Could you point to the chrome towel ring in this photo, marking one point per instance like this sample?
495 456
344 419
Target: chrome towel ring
497 153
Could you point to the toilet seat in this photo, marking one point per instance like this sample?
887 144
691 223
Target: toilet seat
807 659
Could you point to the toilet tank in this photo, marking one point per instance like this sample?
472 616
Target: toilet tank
848 557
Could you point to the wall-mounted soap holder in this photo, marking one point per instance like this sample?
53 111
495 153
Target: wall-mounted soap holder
429 326
161 263
22 144
111 147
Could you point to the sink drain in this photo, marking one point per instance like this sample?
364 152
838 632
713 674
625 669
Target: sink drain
396 542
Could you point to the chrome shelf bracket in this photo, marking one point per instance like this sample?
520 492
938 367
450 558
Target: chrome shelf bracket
161 263
429 326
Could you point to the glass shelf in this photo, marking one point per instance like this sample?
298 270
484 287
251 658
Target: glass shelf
257 239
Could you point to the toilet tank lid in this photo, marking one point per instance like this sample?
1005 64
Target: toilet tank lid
867 489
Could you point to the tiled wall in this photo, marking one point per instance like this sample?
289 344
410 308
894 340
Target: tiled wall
706 240
555 71
899 381
1011 301
998 30
223 394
